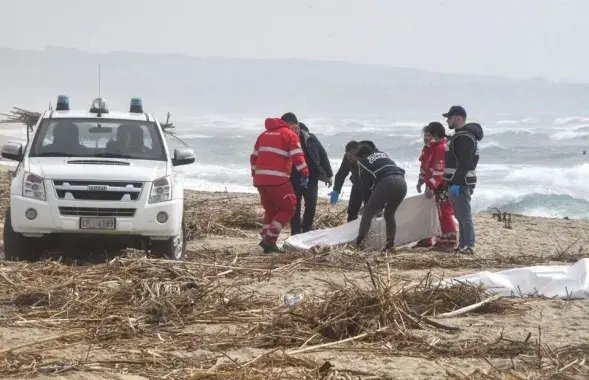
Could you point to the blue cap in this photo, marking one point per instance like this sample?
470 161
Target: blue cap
136 105
63 103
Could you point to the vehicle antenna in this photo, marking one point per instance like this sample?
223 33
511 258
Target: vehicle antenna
99 81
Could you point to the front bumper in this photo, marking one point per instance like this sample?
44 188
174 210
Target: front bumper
50 220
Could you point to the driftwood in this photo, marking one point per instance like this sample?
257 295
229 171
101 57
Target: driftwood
21 116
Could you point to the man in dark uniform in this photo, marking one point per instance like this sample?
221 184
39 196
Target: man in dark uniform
384 187
462 157
348 166
319 169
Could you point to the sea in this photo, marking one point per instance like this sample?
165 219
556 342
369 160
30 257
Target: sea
534 166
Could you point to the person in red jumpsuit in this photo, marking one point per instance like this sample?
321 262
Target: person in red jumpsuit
276 150
424 159
438 188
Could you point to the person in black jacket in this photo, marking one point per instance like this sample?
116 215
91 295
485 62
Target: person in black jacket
348 166
462 157
319 170
383 186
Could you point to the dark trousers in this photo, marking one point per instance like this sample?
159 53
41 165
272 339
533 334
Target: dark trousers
388 194
354 203
309 195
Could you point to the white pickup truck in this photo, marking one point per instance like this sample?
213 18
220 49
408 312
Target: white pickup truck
95 177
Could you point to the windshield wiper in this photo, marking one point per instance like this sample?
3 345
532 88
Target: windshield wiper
57 154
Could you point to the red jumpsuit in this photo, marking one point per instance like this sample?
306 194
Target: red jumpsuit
276 150
424 159
434 180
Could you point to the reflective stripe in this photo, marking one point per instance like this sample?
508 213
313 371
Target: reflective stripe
277 225
272 234
432 181
382 167
438 173
302 166
470 173
295 151
273 150
271 172
255 153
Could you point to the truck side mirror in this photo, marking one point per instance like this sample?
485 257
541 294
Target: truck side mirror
12 151
183 156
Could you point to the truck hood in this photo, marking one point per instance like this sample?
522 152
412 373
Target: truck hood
97 168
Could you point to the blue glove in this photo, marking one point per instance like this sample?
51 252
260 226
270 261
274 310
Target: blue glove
304 182
455 190
333 197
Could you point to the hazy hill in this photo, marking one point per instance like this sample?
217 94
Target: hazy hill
193 85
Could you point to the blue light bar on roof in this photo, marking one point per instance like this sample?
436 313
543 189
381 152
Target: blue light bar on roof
136 105
63 103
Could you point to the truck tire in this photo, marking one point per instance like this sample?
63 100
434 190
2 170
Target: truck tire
174 248
18 247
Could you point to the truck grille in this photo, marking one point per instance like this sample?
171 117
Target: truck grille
98 190
97 211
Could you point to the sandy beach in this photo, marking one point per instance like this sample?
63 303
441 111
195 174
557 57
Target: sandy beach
221 314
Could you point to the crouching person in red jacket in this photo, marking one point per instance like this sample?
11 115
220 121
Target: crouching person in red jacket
276 150
436 186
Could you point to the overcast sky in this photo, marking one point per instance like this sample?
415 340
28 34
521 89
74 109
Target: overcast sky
516 38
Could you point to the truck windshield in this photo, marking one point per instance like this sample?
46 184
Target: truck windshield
70 137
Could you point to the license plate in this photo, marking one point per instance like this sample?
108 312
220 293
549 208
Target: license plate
90 223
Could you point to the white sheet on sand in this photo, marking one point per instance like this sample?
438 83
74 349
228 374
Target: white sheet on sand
558 281
417 218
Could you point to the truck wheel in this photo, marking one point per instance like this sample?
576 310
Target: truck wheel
174 248
18 247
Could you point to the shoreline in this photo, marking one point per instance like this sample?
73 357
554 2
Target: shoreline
8 166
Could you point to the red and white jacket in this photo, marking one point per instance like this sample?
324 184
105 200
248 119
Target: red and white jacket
424 159
277 149
435 167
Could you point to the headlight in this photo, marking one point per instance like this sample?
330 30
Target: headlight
161 190
33 187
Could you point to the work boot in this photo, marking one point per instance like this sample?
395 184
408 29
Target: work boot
360 243
270 247
389 247
423 243
444 247
466 251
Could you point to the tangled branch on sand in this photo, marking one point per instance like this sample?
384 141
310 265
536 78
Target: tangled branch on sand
224 216
566 363
240 216
132 293
383 311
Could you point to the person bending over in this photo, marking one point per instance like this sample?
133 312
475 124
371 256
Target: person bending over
348 166
384 186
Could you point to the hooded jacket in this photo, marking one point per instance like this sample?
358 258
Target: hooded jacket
315 156
462 155
424 158
276 151
434 167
